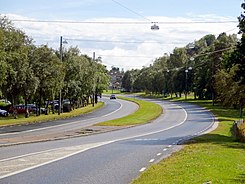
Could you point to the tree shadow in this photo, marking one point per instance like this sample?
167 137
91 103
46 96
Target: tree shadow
152 141
222 140
239 179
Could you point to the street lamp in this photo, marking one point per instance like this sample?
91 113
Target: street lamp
186 77
61 54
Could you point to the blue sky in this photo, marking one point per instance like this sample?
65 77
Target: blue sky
82 9
114 53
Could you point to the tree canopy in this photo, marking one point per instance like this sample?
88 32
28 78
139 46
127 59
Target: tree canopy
30 73
211 67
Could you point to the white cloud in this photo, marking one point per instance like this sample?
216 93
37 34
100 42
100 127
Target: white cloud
135 40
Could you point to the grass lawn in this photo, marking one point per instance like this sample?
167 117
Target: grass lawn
42 118
147 111
109 91
214 157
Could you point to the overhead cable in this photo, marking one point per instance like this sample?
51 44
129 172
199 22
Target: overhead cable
122 22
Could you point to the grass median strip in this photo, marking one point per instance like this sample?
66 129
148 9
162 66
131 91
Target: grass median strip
51 117
147 111
213 158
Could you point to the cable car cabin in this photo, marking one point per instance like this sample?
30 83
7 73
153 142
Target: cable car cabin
154 27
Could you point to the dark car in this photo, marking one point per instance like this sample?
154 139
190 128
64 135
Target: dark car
3 113
113 97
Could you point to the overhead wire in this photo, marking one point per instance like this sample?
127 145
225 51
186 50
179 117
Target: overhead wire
202 54
122 22
139 56
132 11
213 52
120 41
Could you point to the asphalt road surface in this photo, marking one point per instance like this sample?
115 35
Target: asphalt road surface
112 109
108 158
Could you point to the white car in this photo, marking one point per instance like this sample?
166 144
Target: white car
3 113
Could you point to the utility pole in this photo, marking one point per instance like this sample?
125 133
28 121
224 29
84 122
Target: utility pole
60 103
93 96
61 55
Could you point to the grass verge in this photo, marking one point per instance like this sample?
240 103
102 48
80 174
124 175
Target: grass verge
147 111
51 117
109 91
213 157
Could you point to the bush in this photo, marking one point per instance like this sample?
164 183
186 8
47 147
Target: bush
238 130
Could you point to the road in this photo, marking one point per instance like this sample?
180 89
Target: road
66 127
112 157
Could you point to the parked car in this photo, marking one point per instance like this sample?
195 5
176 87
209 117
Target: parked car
22 110
4 113
33 108
113 97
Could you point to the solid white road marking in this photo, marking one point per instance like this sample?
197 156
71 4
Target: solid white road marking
13 166
121 105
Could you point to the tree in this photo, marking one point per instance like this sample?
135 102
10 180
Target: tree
239 53
14 60
49 72
230 80
3 62
127 81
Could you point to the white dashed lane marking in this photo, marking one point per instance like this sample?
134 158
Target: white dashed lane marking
152 160
142 169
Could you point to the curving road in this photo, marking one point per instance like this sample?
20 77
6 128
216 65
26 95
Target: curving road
112 109
112 157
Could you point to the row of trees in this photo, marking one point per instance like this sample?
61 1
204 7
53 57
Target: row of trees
211 68
35 74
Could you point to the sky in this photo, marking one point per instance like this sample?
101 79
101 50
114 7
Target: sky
119 31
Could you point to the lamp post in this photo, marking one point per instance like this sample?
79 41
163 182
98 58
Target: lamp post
61 54
168 73
186 77
96 82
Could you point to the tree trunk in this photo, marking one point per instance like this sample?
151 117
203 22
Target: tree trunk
26 109
39 103
241 110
